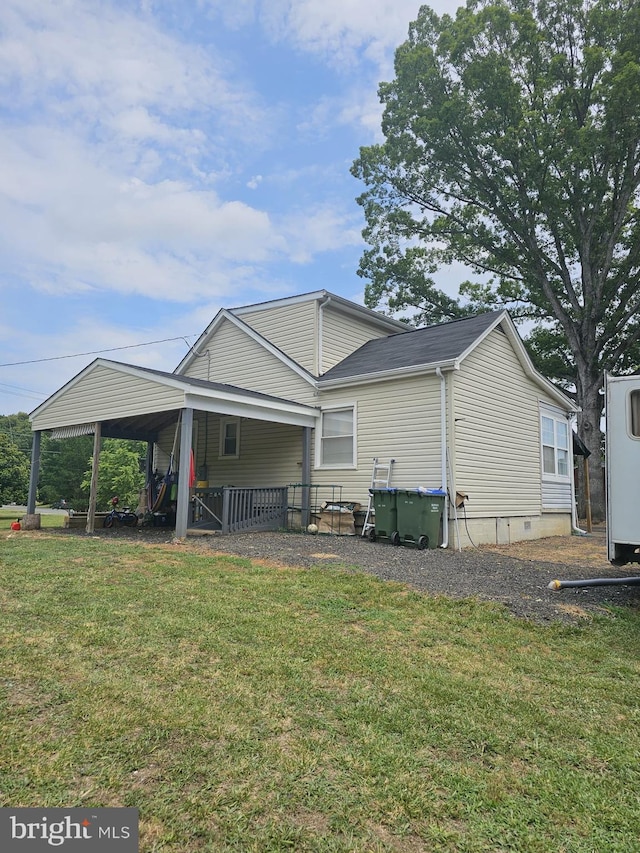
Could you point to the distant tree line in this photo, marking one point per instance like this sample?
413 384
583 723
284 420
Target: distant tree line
65 467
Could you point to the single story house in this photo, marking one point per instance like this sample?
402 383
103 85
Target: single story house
305 392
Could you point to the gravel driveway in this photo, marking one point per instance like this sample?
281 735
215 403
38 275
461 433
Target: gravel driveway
516 576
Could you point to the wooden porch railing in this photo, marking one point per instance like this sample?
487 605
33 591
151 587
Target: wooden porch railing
232 509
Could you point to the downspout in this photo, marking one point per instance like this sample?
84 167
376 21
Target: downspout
322 304
443 454
574 513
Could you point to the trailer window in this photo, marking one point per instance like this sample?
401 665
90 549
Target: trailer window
634 400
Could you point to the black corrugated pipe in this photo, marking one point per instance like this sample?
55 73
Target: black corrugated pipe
595 582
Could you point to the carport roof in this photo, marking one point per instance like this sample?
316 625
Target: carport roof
77 403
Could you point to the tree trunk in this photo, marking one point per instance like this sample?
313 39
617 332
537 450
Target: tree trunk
591 402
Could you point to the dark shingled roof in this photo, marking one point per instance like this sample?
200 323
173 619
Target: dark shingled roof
431 345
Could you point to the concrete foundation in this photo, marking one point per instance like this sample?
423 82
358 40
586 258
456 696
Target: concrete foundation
31 521
505 530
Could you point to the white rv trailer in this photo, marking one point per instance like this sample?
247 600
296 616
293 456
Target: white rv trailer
622 455
622 417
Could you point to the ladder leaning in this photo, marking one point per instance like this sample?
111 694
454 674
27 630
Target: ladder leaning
380 479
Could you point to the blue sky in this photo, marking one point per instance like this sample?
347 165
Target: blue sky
162 160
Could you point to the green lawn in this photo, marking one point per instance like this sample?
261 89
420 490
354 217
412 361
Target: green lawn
246 708
47 520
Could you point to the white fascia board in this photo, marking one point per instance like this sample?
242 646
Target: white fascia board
380 375
215 398
485 334
255 336
504 319
264 342
364 313
141 373
73 381
346 305
521 351
314 296
117 367
249 407
191 355
86 371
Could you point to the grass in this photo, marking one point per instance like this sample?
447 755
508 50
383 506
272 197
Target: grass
248 708
47 520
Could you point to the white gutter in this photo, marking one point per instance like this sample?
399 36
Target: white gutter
393 373
321 306
443 453
574 513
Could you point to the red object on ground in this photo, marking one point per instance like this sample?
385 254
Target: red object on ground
15 525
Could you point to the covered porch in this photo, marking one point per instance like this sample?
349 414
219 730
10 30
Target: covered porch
231 451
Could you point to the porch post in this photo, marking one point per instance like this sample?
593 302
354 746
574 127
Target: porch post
93 492
306 476
148 474
182 509
34 474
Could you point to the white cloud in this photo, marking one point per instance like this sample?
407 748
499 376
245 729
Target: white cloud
335 29
113 76
323 229
114 134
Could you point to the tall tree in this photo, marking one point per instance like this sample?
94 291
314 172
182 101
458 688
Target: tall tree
121 474
17 428
64 461
512 144
14 472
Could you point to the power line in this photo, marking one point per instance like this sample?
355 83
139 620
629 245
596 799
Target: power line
97 351
18 391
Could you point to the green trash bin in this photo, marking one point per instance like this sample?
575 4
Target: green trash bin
419 514
386 515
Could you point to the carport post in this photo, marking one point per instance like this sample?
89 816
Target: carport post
182 509
34 474
93 492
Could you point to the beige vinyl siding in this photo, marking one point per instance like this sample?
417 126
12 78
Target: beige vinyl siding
342 334
397 419
236 359
497 433
292 328
104 393
556 495
270 454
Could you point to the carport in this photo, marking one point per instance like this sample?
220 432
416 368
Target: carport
115 400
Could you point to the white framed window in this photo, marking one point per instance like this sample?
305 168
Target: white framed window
555 446
336 446
634 413
229 438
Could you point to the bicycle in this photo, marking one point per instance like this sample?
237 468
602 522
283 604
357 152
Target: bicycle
122 516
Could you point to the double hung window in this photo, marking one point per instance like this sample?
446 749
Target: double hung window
229 438
336 448
555 446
